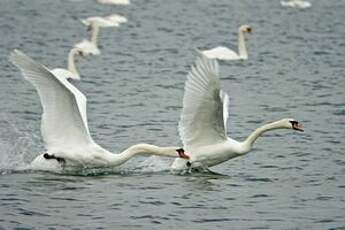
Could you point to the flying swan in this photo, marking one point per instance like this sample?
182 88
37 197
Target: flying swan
203 121
64 124
224 53
296 4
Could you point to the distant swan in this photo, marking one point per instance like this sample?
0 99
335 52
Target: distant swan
113 20
71 72
87 47
296 4
224 53
114 2
203 122
64 124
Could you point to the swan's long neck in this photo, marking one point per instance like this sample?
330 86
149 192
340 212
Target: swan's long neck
242 50
94 34
71 62
248 143
142 149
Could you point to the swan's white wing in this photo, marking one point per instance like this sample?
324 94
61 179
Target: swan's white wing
66 73
204 111
64 121
225 100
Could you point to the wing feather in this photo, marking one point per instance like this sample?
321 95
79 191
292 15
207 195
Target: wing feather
205 106
64 120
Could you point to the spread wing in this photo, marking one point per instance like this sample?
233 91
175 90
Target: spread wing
205 106
64 122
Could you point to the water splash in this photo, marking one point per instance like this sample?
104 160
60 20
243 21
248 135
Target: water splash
17 147
153 164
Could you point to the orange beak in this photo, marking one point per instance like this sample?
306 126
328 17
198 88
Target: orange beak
297 126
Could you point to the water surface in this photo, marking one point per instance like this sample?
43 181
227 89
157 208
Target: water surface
135 88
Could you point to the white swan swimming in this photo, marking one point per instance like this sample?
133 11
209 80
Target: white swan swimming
113 20
64 124
116 18
224 53
203 121
90 47
114 2
71 72
296 4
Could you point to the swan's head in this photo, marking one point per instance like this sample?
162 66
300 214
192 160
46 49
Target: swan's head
90 26
245 29
80 52
290 123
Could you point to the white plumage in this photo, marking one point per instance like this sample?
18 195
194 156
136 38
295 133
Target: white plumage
203 121
296 4
113 20
114 2
202 117
224 53
87 48
64 124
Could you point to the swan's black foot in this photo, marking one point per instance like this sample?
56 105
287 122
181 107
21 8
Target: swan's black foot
182 154
59 159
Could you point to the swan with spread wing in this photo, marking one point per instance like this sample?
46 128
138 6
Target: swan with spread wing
64 124
203 121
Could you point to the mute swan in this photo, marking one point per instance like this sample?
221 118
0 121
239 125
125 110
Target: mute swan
116 18
296 4
203 122
114 2
113 20
224 53
71 71
64 124
87 47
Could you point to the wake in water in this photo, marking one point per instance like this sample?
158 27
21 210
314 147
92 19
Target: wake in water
18 147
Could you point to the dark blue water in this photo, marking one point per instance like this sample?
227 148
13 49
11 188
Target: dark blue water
135 89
